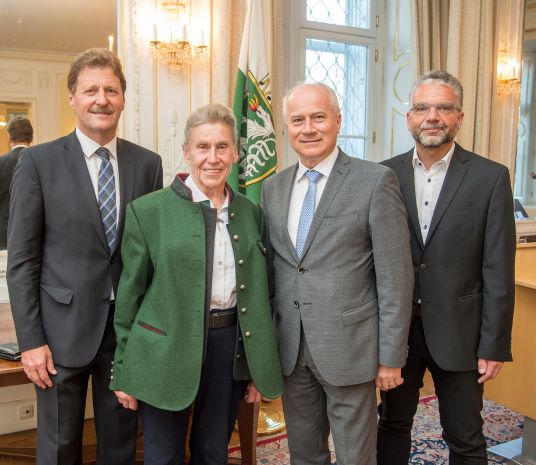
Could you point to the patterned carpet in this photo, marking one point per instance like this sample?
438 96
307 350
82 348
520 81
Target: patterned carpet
500 425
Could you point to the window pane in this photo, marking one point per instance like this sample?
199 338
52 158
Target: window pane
343 67
354 13
353 147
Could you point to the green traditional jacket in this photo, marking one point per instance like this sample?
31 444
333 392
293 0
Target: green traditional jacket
161 310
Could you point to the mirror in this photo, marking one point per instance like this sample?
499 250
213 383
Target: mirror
524 183
38 41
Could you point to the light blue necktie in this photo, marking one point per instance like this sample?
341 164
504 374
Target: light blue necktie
106 196
307 211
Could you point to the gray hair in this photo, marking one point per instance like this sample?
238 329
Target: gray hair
211 113
333 100
440 77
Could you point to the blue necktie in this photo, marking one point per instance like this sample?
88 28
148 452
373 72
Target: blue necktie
308 210
106 196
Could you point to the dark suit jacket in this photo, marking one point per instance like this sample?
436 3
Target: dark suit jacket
7 166
464 273
60 271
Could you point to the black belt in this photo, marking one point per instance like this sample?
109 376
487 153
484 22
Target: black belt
418 310
222 317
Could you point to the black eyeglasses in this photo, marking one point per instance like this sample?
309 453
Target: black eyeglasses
442 108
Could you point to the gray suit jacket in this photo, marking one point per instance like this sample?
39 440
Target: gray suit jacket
60 271
464 273
351 290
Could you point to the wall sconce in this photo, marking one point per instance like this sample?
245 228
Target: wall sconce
177 51
508 74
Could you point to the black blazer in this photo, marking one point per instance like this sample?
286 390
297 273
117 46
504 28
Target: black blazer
7 166
464 273
60 271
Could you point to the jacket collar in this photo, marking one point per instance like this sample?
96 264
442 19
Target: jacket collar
184 192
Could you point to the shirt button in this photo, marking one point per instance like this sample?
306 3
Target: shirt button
243 310
426 203
235 237
237 355
106 300
429 180
220 262
425 226
296 304
422 266
301 270
247 333
242 287
240 262
231 214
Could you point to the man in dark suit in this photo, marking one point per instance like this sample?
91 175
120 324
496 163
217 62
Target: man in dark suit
68 202
20 135
461 219
343 284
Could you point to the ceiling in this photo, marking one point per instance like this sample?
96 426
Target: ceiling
58 26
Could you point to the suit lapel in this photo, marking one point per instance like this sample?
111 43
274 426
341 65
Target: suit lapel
78 169
453 179
407 186
336 178
126 184
288 185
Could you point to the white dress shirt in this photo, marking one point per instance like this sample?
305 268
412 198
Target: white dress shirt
301 184
93 162
428 184
223 263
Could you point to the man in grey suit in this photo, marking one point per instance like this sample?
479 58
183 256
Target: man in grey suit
343 281
461 219
20 135
68 202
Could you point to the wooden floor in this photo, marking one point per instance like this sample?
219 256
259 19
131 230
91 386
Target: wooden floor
27 438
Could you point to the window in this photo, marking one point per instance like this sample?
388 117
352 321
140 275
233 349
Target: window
337 46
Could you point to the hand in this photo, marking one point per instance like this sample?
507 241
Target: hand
37 364
488 369
252 394
388 378
126 401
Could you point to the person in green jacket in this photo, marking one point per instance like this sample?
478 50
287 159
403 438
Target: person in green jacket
193 319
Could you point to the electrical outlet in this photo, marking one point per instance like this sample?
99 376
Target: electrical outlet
26 411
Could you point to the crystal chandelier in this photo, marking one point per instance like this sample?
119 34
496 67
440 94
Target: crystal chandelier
176 51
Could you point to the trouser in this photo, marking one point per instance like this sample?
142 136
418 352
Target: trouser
460 402
60 413
213 416
313 407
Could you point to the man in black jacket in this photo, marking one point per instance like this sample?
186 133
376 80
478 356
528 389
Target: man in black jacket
20 135
461 221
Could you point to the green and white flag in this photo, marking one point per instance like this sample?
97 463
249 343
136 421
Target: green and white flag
253 108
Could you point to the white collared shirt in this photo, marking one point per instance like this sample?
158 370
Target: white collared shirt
428 184
93 162
301 184
223 263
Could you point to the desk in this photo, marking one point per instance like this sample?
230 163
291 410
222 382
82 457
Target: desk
514 387
11 374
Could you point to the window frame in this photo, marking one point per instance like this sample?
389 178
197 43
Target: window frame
301 29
